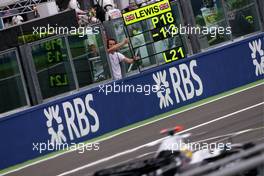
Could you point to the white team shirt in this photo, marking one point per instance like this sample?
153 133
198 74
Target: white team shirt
115 59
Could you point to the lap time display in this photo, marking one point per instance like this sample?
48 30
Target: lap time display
55 59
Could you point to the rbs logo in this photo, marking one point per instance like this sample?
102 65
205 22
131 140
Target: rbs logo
257 54
185 82
81 119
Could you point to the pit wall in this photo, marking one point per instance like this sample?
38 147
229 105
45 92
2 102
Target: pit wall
92 113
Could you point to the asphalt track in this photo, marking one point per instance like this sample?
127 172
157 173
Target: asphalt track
235 113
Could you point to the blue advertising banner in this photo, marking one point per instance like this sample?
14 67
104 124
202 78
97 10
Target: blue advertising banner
92 113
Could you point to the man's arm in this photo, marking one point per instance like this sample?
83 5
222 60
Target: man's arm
118 46
130 60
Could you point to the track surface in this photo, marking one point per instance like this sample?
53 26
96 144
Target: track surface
250 118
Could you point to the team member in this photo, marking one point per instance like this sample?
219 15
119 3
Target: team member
116 57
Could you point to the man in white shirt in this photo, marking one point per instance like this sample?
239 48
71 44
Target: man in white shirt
117 57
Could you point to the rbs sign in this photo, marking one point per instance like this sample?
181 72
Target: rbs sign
77 115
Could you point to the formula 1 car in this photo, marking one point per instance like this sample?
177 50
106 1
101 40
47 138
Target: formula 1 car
171 161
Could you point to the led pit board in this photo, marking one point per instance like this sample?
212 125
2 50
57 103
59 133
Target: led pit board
163 27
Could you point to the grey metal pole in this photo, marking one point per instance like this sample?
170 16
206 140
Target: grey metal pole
30 74
226 17
188 15
260 4
75 78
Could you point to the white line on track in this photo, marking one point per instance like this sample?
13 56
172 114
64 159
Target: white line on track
231 134
157 141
